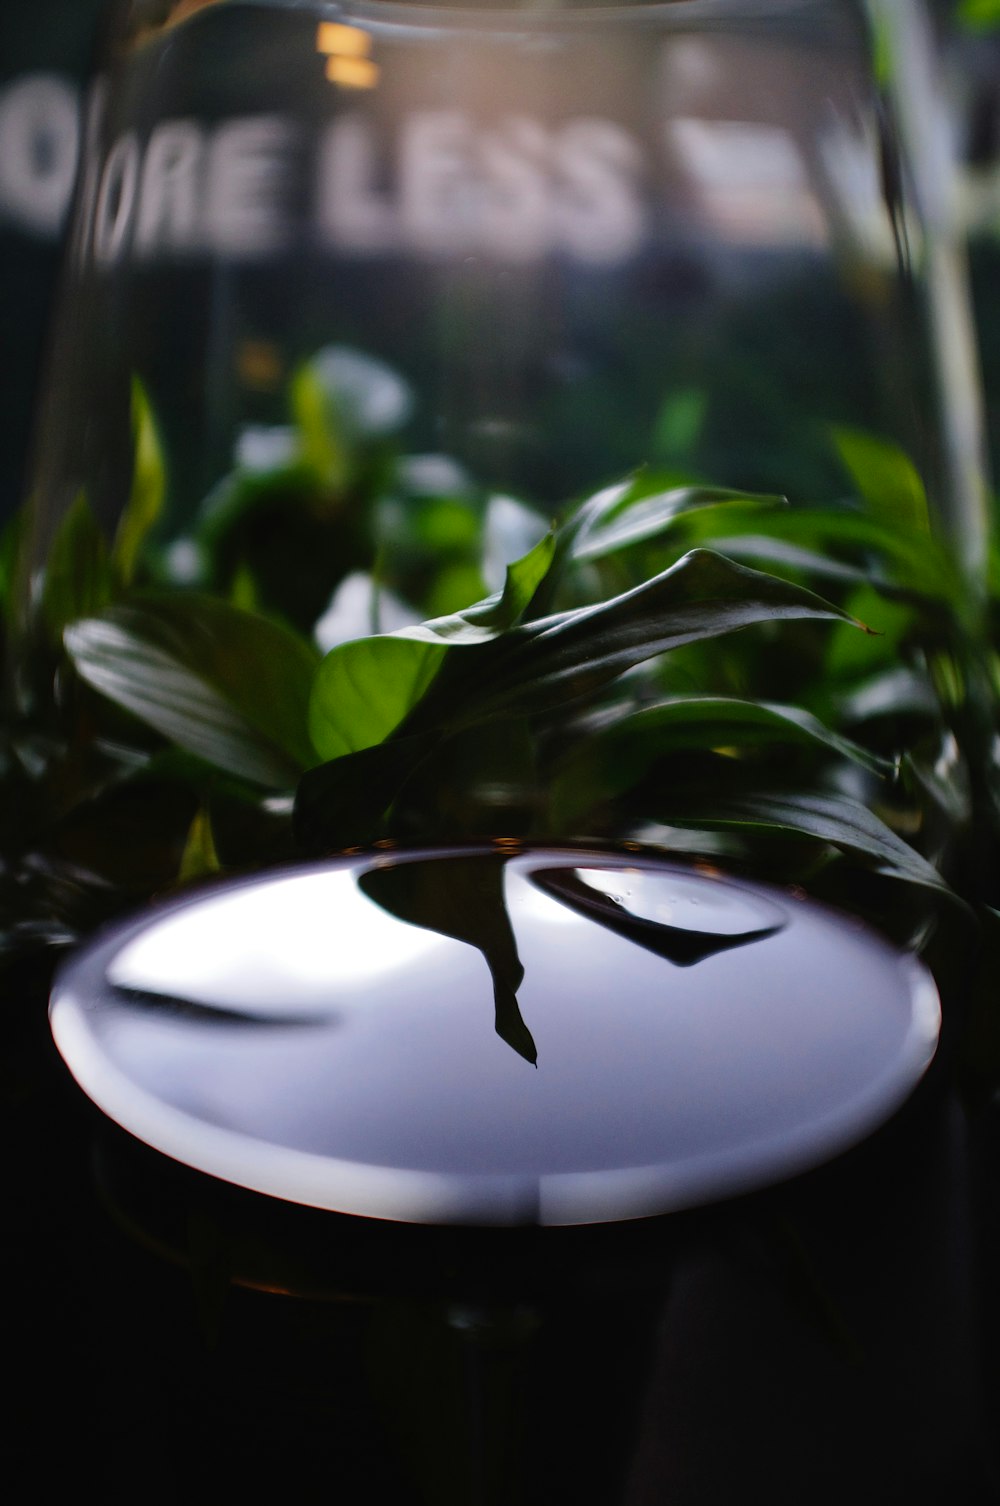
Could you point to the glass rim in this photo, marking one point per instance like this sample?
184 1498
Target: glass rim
530 15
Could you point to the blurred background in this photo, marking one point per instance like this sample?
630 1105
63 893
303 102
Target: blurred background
46 51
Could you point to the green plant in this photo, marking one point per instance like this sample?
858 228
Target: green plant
156 734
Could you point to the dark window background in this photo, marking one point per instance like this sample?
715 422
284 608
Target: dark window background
48 42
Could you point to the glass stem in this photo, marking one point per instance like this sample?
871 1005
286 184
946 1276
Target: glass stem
906 56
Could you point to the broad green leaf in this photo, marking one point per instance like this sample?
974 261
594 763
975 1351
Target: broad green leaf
340 804
468 780
148 488
365 688
402 687
835 819
200 859
360 606
615 757
540 665
885 554
571 536
486 619
761 550
224 684
78 579
886 478
652 517
522 580
629 512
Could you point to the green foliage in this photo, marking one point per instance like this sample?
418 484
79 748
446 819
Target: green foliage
498 661
614 758
886 479
979 15
637 518
635 671
366 688
224 684
842 823
78 574
145 501
679 424
200 859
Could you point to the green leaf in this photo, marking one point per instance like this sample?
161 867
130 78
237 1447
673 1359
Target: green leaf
148 488
454 586
200 859
402 687
835 819
540 665
893 692
364 689
680 422
886 478
761 550
487 619
341 803
224 684
848 654
243 589
632 511
78 579
323 448
341 400
510 529
979 15
650 517
887 555
571 536
617 756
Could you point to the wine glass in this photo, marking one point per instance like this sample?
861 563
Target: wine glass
358 301
362 261
359 297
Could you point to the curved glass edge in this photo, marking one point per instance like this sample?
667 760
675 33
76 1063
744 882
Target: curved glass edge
554 1200
143 22
417 1197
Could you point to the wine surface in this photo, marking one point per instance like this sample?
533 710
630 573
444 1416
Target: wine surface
496 1035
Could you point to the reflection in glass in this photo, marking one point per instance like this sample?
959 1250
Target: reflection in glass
384 1090
683 922
375 270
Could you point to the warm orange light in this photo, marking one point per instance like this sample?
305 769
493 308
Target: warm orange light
352 73
344 41
260 365
185 8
